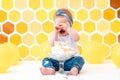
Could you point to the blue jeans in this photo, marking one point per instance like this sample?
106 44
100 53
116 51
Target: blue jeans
76 61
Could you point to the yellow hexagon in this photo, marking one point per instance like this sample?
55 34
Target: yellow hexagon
14 15
35 27
115 26
28 15
88 3
21 4
34 4
75 4
23 51
102 3
7 4
28 39
35 51
62 3
110 38
48 4
96 37
109 14
82 14
21 27
51 14
95 14
89 26
48 27
83 38
77 26
3 16
16 39
103 26
41 15
41 38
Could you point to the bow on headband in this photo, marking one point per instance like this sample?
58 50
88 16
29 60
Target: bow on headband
62 13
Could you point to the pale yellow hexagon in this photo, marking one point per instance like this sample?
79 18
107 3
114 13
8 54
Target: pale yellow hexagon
35 51
62 3
7 4
51 14
21 27
34 4
28 15
102 3
77 26
14 15
115 26
41 15
23 51
96 37
28 39
48 27
75 4
16 39
48 4
41 38
3 17
103 26
21 4
88 3
109 38
95 14
89 26
82 14
109 14
35 27
84 38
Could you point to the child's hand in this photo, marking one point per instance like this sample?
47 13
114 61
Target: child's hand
57 29
66 27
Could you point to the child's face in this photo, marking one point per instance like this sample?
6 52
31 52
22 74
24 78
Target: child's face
62 23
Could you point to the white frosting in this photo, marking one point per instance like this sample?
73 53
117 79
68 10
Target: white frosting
61 51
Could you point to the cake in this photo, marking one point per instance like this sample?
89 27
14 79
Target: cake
61 51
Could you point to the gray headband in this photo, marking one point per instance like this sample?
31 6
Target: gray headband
61 13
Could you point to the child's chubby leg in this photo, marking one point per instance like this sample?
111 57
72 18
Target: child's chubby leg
50 66
74 65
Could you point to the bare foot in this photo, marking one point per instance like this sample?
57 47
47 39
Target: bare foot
47 71
74 71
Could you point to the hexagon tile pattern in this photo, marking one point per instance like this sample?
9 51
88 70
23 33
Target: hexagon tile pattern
29 23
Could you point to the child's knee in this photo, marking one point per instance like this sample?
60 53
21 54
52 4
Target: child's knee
79 59
45 61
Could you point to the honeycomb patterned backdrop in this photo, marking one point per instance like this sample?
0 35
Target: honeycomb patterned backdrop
28 23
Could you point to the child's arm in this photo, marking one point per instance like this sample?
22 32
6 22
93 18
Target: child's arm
54 35
53 38
75 36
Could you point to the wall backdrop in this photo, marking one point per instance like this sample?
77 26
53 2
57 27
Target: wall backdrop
28 23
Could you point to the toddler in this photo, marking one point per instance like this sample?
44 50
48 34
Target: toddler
64 33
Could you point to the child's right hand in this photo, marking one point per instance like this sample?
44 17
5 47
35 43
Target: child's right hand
57 28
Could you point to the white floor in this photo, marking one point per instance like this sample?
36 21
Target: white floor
29 70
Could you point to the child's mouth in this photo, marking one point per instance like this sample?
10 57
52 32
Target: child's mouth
62 31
